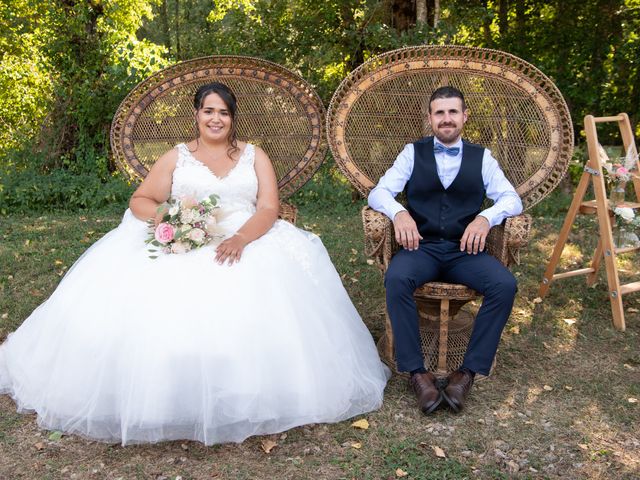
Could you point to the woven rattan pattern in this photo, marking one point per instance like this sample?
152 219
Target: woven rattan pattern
515 110
459 334
504 242
277 110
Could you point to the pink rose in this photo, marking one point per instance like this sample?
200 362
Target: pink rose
164 233
622 171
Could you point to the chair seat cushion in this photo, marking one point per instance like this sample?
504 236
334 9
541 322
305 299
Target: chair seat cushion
441 290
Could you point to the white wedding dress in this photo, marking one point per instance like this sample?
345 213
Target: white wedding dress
129 349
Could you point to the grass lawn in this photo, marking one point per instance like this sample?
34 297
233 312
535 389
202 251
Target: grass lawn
559 405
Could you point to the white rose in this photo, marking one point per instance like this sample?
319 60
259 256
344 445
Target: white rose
174 209
197 235
180 247
625 212
186 216
196 216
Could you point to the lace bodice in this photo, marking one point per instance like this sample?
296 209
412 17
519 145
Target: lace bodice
237 190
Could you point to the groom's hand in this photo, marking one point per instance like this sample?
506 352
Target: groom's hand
406 230
475 235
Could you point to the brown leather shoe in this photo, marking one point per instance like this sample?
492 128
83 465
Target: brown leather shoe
424 386
456 391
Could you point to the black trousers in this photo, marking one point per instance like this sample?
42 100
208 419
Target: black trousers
443 261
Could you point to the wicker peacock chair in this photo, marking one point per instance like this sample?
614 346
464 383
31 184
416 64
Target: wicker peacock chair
515 110
277 110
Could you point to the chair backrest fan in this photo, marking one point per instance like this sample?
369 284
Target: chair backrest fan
277 110
514 110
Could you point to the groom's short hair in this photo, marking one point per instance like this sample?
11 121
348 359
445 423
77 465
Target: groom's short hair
447 92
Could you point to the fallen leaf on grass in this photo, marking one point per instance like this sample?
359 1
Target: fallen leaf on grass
537 300
583 446
628 367
5 315
632 310
546 345
512 466
569 321
55 436
567 387
548 388
268 445
362 424
370 262
515 330
438 451
356 445
58 262
39 445
401 473
632 400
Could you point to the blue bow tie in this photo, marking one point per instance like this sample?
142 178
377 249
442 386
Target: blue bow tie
451 151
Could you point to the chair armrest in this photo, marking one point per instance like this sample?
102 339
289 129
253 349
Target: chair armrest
288 212
505 241
379 240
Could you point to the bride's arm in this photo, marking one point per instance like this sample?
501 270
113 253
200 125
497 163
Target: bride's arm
266 212
155 188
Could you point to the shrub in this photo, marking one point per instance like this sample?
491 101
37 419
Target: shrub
31 191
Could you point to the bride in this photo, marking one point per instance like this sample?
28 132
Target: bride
252 336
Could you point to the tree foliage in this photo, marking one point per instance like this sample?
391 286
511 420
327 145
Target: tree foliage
66 64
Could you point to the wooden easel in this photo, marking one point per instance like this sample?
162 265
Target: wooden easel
600 207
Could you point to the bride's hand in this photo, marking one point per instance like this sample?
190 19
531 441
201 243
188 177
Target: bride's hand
231 249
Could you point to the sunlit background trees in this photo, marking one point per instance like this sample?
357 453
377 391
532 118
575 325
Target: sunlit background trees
65 65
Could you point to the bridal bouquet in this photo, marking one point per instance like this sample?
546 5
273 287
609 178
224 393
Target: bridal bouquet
186 224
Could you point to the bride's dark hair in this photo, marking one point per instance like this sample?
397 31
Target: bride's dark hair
229 100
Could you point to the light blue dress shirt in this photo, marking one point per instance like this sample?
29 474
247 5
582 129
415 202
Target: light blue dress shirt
507 202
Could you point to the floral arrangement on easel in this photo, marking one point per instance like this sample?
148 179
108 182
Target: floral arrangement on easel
617 175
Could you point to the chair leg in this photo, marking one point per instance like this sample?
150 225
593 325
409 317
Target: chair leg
388 345
444 337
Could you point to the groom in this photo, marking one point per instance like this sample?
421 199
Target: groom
443 232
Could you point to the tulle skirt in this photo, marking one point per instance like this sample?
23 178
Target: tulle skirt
131 349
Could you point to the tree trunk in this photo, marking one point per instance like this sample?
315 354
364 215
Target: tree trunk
402 15
521 23
421 12
486 25
503 21
357 53
165 25
177 15
436 13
